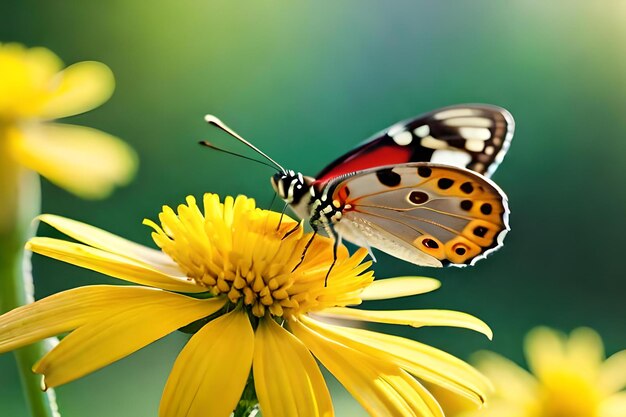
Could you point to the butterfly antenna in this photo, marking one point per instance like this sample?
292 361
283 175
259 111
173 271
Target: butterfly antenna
216 148
212 120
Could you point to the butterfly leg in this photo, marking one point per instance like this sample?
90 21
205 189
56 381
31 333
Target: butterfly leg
269 208
306 248
293 229
273 200
282 214
370 252
336 244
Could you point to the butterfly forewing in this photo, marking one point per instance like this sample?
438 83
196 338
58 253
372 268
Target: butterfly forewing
472 136
424 213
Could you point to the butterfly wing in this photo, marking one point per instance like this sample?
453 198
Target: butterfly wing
426 214
472 136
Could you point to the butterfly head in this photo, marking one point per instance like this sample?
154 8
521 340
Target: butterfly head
291 186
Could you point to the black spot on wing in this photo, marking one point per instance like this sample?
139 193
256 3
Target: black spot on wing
431 244
480 231
388 177
466 205
467 187
486 209
418 197
445 183
424 172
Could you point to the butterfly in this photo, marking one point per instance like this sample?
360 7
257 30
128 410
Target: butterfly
418 190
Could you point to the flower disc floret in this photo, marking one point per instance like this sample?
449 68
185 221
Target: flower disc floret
257 260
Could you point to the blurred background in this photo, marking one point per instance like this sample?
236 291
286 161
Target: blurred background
306 83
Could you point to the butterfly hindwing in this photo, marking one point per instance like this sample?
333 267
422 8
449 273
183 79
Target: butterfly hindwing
424 213
472 136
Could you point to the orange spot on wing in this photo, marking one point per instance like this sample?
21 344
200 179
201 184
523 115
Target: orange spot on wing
430 245
459 250
482 232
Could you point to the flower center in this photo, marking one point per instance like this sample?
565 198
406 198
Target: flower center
236 250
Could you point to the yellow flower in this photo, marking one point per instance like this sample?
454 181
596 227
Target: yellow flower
34 90
570 378
229 273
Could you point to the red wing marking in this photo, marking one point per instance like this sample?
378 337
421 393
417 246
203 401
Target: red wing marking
377 156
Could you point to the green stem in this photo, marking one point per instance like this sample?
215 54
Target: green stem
19 204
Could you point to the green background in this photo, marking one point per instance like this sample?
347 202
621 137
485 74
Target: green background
306 82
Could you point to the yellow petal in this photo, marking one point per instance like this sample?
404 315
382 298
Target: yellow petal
382 289
362 381
372 382
111 264
613 373
121 331
79 88
453 405
585 352
510 381
423 361
287 379
25 75
84 161
415 318
545 351
61 312
423 404
109 242
614 406
210 373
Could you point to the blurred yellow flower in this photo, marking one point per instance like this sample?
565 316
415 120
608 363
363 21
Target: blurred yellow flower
570 378
228 272
34 90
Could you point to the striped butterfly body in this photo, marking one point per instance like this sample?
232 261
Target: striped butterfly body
419 190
